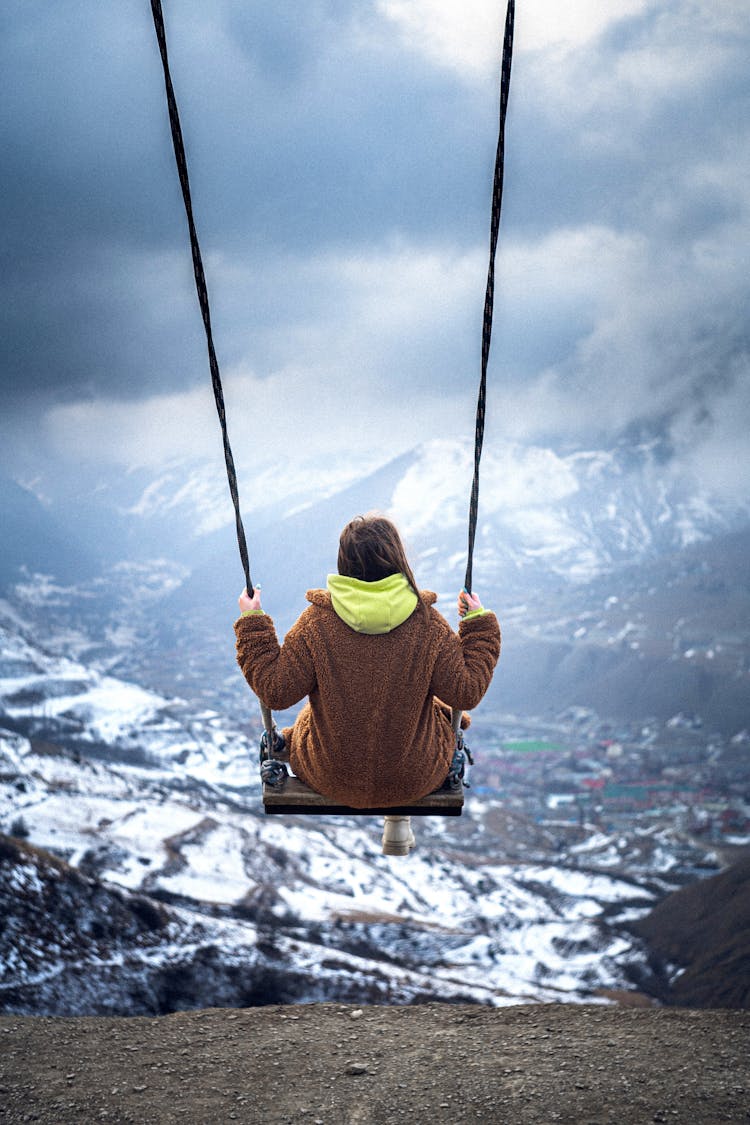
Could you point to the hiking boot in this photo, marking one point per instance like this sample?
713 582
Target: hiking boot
398 838
273 773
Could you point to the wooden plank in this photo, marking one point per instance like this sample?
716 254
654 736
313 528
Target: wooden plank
296 798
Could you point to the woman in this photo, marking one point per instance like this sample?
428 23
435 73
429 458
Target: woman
371 653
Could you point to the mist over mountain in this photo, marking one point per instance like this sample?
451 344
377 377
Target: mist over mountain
34 538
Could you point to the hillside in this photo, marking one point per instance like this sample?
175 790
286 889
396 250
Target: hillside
700 938
338 1065
671 634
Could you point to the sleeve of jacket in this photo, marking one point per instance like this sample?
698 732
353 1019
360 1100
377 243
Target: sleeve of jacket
280 675
465 662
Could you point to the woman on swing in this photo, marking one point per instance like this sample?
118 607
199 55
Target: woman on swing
372 654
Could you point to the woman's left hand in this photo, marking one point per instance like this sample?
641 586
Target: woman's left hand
467 603
250 604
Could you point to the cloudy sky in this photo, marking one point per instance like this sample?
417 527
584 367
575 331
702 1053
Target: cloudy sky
341 159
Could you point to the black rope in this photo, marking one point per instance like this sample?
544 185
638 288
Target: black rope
489 296
200 284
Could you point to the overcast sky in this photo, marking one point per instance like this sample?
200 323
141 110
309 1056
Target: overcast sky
341 159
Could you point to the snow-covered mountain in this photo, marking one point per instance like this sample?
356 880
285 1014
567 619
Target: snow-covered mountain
318 902
64 524
548 516
269 915
56 698
547 520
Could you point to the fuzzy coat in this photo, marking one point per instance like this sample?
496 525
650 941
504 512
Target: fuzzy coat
371 733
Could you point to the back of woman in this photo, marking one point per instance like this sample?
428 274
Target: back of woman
371 656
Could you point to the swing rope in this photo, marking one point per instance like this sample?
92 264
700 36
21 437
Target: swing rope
200 285
489 296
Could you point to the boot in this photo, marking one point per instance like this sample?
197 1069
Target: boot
398 838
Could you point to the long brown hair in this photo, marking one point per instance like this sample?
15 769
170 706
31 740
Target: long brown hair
370 548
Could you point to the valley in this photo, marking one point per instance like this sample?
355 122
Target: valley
612 755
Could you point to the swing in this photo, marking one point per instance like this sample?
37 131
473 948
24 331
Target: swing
294 797
288 794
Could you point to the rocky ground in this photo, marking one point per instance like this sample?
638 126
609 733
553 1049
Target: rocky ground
338 1065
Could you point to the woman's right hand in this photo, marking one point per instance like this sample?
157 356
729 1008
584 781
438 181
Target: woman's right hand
250 604
467 603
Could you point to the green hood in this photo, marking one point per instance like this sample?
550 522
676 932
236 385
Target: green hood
372 607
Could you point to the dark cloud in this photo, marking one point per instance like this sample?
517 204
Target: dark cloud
296 143
341 182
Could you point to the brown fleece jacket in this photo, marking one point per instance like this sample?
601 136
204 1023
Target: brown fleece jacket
371 734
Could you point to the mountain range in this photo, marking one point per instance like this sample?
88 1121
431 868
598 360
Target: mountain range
545 514
620 584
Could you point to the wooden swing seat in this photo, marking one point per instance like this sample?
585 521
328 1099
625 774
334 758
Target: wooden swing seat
294 797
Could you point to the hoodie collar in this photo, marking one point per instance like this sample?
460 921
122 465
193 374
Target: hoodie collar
372 607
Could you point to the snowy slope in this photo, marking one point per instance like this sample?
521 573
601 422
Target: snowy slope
66 702
546 515
432 926
139 791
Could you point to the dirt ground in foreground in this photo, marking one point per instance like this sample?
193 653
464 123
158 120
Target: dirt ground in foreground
330 1064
